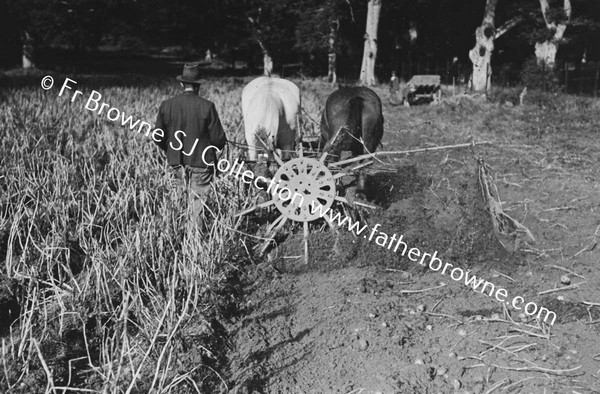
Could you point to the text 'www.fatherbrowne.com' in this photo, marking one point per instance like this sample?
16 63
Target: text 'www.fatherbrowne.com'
435 264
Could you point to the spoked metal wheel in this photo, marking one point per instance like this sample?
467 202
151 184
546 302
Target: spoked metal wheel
307 182
305 188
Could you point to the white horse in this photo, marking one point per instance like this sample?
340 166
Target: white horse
271 107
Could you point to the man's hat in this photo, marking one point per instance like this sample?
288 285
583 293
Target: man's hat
191 74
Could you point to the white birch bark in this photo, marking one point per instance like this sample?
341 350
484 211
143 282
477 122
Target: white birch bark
332 56
27 62
481 54
267 63
367 70
27 51
413 33
545 51
267 59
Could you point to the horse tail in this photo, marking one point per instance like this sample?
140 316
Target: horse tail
354 120
271 120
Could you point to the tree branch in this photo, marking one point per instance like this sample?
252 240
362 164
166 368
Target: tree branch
489 12
509 25
351 11
553 25
567 8
544 6
258 34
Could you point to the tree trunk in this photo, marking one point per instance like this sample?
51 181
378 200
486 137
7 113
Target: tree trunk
28 50
545 51
27 61
413 33
208 56
481 54
267 63
267 59
332 56
367 70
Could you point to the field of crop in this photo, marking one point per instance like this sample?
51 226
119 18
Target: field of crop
100 290
98 277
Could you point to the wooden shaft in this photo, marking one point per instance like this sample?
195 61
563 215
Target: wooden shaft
306 243
389 153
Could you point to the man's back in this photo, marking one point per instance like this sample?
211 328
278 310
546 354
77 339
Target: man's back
191 124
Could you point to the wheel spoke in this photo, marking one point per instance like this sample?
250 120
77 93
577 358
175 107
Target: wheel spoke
368 163
323 157
254 208
316 184
277 159
275 223
362 204
341 199
306 243
280 225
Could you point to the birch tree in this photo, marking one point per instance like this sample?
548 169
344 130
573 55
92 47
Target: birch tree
367 70
267 59
319 31
481 54
545 51
332 56
28 50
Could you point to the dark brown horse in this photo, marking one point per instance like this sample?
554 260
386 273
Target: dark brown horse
352 121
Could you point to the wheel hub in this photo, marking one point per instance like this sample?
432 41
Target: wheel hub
309 182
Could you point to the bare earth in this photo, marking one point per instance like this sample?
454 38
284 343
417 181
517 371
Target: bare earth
342 324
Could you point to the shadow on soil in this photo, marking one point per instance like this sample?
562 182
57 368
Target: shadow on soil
344 317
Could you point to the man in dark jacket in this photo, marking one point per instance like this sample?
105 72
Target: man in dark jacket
191 124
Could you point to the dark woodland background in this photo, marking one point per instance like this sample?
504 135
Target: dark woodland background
114 35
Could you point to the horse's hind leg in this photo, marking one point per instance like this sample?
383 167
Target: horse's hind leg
251 141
